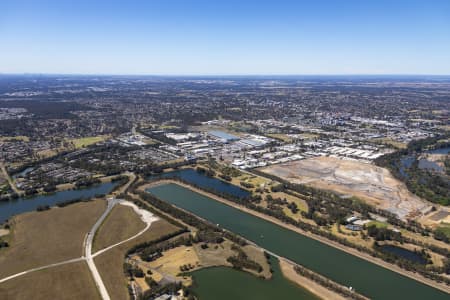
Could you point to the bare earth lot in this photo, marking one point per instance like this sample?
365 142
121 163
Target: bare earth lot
71 281
353 178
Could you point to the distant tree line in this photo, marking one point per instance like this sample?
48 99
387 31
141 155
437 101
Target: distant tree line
424 183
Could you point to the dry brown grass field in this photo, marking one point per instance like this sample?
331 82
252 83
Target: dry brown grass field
120 224
110 263
168 266
216 255
55 235
171 261
71 281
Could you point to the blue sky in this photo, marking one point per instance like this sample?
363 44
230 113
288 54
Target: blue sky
176 37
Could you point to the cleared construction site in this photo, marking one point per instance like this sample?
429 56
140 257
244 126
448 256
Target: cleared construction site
350 177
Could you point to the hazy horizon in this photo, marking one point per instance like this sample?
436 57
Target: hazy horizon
230 38
187 75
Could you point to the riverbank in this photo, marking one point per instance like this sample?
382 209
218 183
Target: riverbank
336 245
274 256
25 204
62 187
288 271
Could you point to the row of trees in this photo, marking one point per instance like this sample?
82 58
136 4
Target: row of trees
318 231
328 283
207 232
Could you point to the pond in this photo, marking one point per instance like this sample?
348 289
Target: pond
406 163
404 253
440 151
426 164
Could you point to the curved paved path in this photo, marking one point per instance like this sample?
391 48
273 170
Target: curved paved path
88 256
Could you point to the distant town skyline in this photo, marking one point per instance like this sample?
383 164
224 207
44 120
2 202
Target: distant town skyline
175 37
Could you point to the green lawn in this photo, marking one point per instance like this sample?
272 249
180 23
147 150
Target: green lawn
444 228
378 224
16 138
86 141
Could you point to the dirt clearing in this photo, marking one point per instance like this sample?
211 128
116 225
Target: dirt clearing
368 182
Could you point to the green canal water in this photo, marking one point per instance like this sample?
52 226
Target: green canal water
221 283
367 278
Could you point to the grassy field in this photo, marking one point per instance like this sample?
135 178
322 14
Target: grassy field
301 204
216 255
171 261
47 153
110 263
257 255
120 224
289 139
377 224
169 264
86 141
257 181
351 236
444 228
393 143
71 281
16 138
280 136
41 238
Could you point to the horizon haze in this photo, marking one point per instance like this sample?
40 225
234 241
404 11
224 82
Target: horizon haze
226 38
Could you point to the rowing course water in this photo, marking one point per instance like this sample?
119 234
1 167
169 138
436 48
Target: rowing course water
367 278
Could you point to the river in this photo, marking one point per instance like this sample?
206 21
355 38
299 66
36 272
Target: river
367 278
25 204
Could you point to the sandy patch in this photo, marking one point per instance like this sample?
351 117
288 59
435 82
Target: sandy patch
146 216
288 271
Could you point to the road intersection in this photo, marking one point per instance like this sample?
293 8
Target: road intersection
147 217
